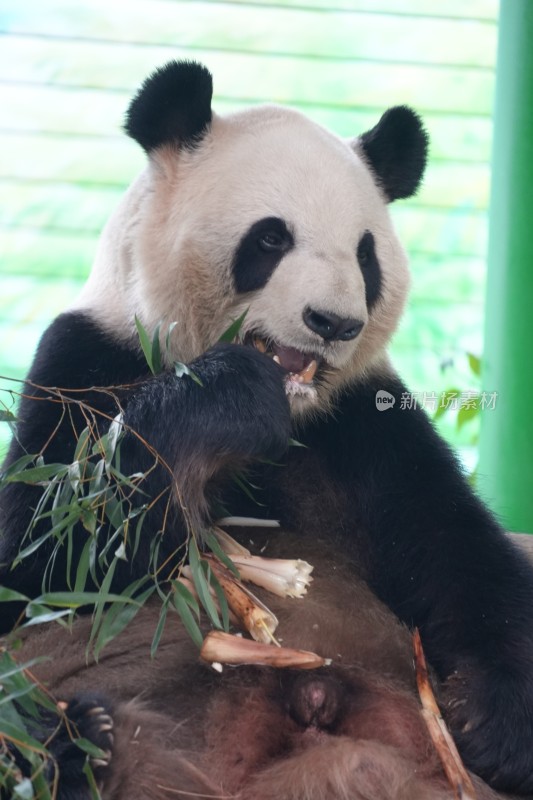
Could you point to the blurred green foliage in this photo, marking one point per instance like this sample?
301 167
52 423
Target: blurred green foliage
68 70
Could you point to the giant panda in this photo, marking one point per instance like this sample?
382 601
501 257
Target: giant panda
265 212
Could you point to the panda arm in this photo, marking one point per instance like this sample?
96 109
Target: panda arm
180 433
441 561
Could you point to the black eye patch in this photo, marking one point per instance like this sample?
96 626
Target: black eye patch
259 253
368 261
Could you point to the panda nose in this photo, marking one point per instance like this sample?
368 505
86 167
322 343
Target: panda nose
330 326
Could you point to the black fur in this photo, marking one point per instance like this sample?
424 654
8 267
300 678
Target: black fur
396 150
173 106
368 261
380 483
239 412
379 487
259 253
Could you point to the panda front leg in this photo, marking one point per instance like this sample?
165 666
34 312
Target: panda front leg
442 563
180 437
236 412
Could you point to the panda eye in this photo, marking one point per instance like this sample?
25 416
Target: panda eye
271 241
365 249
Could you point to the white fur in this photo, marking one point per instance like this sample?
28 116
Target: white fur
166 253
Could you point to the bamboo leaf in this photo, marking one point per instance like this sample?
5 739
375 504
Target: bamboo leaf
160 627
18 734
76 599
37 474
157 366
8 595
89 747
146 344
111 439
214 545
230 333
82 447
119 616
169 332
182 369
24 790
190 624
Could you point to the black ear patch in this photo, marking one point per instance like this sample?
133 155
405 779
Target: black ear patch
396 149
172 106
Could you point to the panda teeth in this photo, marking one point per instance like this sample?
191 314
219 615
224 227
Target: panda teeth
276 359
307 374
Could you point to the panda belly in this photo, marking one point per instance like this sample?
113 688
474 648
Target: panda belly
352 730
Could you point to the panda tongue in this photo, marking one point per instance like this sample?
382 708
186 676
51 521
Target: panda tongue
290 359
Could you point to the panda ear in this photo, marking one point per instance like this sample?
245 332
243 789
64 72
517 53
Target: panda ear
173 106
396 150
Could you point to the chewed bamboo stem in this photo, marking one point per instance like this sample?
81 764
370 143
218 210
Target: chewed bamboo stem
225 648
252 614
442 740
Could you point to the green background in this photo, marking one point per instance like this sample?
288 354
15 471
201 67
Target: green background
67 71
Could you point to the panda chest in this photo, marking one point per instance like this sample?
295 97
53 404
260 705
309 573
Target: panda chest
305 496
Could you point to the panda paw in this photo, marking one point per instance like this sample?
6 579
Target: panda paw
246 408
91 716
490 715
88 715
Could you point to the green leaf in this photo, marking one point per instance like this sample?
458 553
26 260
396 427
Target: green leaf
89 747
24 790
37 474
119 616
295 443
7 416
169 332
182 369
17 466
467 413
15 732
190 624
93 786
213 544
41 614
222 600
230 333
8 595
111 439
76 599
160 627
201 582
99 605
475 363
82 447
157 366
146 344
189 598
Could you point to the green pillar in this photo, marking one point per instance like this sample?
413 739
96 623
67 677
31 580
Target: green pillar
506 447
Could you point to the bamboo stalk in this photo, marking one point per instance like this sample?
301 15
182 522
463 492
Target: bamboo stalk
225 648
439 733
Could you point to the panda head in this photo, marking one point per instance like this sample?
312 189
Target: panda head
264 211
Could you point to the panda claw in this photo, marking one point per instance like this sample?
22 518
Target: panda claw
94 712
102 762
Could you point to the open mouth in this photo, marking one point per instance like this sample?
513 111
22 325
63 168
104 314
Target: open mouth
301 368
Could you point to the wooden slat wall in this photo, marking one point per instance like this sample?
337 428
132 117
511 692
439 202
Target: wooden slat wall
67 71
